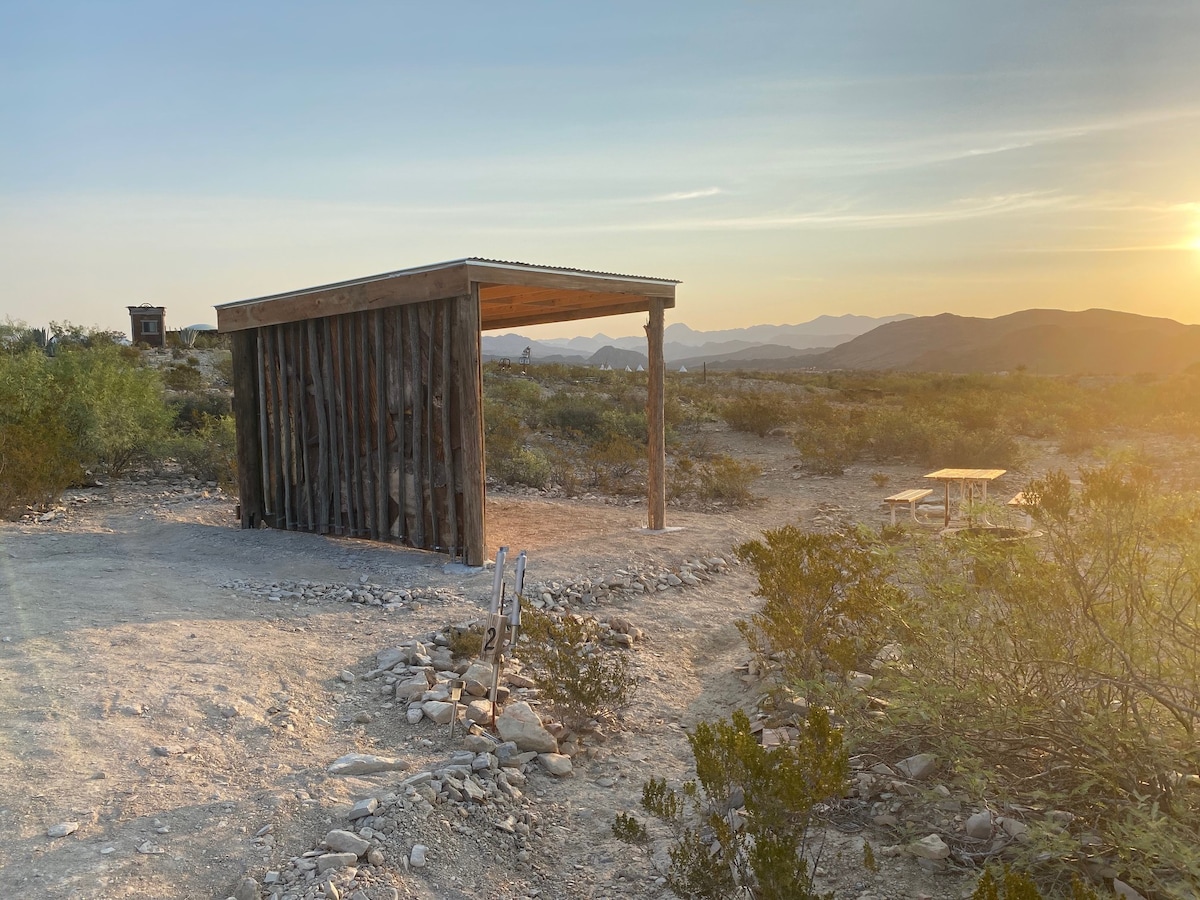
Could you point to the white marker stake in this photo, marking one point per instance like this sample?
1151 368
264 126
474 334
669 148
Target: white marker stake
498 581
514 611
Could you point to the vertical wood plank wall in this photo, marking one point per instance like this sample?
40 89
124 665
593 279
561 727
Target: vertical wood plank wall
365 424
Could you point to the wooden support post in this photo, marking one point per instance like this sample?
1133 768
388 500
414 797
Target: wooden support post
244 345
468 396
656 481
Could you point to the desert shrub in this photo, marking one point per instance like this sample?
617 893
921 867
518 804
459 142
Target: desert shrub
113 409
1074 665
581 414
524 465
37 458
580 677
209 450
756 413
466 643
725 479
1018 886
827 599
183 378
223 367
190 411
612 463
753 807
522 397
827 448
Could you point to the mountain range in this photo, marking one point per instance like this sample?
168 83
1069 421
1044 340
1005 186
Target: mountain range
1044 341
685 345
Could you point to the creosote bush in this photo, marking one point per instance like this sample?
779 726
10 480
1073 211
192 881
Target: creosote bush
827 599
741 828
757 413
581 678
1074 666
1017 886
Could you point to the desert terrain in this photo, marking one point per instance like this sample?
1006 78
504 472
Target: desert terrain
176 690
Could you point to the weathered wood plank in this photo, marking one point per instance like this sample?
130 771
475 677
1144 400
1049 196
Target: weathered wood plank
285 428
264 436
382 468
417 427
452 541
322 462
468 396
244 349
378 292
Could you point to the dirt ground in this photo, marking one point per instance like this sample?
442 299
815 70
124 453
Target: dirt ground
166 695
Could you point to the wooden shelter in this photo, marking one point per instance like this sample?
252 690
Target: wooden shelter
359 405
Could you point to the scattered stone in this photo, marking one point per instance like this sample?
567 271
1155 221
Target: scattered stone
917 767
247 889
929 847
521 725
327 861
979 826
363 808
437 711
365 764
417 857
339 841
555 763
62 829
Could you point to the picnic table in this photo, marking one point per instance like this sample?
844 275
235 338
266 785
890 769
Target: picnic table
910 498
972 486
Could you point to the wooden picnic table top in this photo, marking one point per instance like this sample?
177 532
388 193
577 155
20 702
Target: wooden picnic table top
909 496
966 474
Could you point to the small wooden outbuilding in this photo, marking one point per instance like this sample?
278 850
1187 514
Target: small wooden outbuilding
148 325
359 405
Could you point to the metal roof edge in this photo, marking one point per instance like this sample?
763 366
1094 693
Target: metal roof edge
469 260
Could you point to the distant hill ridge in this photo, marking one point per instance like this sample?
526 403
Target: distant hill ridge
1043 341
685 345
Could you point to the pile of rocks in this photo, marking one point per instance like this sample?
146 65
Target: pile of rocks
421 674
471 803
624 584
363 591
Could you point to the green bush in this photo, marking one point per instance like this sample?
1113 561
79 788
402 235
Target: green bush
828 448
209 451
114 410
183 378
753 807
37 458
827 600
580 678
1016 886
1072 665
757 413
723 478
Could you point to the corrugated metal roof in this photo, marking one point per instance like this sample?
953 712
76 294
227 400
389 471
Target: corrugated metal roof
470 260
567 269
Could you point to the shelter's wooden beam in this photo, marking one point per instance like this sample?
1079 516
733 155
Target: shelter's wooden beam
418 287
493 293
556 314
487 275
656 419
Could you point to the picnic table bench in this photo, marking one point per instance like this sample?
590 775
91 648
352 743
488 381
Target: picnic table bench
911 497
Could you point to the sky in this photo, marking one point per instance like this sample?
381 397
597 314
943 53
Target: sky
783 160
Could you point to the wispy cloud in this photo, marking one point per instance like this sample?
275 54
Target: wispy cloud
967 208
686 195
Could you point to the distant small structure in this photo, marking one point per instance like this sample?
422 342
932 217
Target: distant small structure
147 324
683 369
